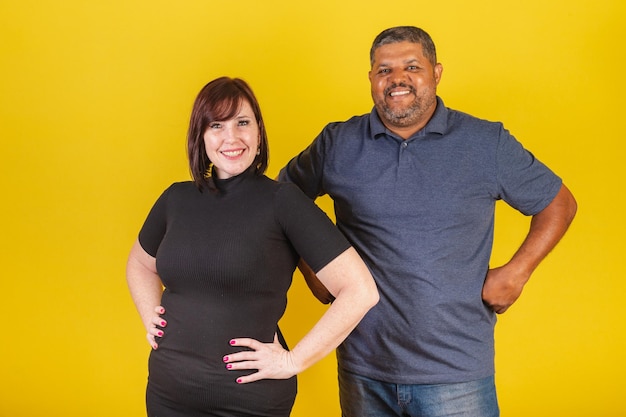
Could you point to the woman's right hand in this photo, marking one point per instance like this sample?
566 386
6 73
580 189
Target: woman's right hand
156 328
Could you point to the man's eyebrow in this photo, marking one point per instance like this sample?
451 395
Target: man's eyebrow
408 61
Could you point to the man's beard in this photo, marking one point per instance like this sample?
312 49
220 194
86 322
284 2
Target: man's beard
401 117
406 116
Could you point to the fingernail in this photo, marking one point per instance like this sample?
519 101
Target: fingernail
162 323
239 381
225 359
232 342
159 333
162 310
229 366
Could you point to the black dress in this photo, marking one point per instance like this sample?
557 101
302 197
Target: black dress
226 260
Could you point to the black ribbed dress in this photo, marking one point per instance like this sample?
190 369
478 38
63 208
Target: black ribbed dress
226 260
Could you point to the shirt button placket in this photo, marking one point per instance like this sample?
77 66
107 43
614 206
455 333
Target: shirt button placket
403 146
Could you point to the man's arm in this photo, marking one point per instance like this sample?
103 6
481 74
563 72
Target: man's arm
504 285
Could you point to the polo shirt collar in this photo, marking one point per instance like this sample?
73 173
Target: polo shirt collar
438 123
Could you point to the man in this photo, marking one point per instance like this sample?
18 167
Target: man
414 186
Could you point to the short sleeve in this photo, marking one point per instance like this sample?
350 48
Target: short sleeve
305 170
313 235
153 229
525 182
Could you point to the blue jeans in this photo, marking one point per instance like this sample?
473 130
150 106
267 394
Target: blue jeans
364 397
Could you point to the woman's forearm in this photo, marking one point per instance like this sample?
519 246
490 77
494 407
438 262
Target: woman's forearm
348 279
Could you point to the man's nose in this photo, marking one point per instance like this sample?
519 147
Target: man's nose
398 78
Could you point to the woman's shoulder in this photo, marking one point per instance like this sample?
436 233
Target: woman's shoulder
182 187
289 196
283 188
278 191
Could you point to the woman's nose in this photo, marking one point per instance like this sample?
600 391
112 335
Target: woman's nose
229 132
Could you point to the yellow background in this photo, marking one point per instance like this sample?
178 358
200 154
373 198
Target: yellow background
94 102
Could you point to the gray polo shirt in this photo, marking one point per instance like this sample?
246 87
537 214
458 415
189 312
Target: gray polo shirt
421 214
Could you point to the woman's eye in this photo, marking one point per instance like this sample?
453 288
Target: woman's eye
214 126
244 122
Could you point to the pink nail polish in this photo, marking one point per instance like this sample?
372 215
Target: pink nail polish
225 358
229 366
159 333
162 323
239 381
232 342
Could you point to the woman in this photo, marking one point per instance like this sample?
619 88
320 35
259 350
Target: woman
215 259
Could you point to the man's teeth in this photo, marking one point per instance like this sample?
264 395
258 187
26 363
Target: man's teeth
233 153
399 93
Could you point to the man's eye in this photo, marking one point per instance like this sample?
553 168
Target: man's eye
384 71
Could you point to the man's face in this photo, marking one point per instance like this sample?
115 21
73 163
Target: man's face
404 85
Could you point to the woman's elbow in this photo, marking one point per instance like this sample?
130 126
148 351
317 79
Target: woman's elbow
371 294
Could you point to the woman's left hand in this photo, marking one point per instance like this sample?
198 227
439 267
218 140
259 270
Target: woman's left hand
270 360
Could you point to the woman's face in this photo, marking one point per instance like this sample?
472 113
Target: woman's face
232 144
